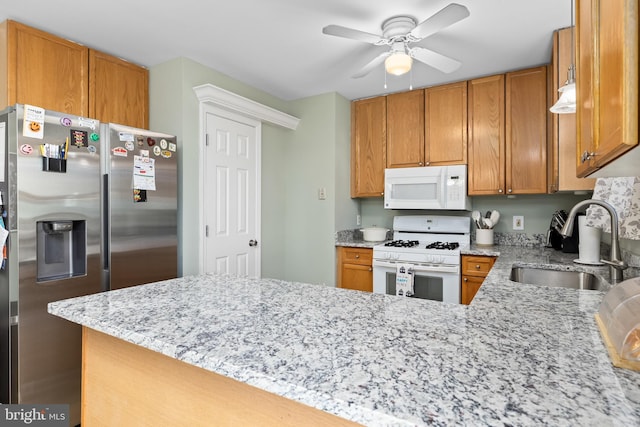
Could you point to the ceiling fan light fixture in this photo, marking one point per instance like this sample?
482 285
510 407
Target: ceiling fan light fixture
398 63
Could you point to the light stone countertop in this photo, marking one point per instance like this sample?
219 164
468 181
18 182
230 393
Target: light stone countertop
519 355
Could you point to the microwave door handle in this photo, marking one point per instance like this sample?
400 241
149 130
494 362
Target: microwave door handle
443 187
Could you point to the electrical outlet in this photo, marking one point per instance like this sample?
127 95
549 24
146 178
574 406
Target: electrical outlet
358 220
322 193
518 222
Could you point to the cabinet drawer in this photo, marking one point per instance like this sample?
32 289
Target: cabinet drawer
477 265
362 256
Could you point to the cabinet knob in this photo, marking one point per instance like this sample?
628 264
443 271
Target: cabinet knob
465 279
477 267
370 268
587 156
499 190
421 164
428 163
357 256
509 191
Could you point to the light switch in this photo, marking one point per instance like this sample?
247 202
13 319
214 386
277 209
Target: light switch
518 222
322 193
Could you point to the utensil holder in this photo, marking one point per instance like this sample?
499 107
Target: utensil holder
484 237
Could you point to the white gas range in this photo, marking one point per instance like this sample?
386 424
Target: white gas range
429 246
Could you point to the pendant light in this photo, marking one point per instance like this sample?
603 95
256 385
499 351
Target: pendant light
566 104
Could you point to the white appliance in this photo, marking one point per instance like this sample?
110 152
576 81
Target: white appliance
427 187
430 245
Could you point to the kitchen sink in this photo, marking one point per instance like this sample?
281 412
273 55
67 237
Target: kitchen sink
556 278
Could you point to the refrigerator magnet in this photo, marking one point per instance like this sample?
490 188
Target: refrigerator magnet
120 152
66 121
79 138
125 136
163 144
166 154
33 122
139 196
87 123
156 150
172 146
26 149
129 145
151 142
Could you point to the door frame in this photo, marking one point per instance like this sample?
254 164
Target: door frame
223 103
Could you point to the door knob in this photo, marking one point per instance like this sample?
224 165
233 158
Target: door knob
253 242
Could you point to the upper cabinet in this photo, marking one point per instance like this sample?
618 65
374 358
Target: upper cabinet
486 136
563 159
607 83
445 127
43 70
526 131
368 146
405 129
118 90
57 74
508 133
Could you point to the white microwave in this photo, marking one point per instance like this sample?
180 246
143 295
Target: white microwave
427 187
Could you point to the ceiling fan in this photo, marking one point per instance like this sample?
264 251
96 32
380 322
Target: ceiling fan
398 32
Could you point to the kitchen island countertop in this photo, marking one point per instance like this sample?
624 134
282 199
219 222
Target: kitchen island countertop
518 355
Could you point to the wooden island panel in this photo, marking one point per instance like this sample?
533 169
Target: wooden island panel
125 384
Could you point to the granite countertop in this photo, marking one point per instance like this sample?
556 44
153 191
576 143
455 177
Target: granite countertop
518 355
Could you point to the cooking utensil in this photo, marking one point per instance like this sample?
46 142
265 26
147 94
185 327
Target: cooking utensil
488 223
488 214
495 217
475 215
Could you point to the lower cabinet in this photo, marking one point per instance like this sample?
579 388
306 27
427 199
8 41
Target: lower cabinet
474 269
355 269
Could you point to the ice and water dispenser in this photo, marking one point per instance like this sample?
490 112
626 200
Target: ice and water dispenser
61 249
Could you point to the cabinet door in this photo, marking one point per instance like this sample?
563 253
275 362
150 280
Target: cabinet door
46 71
368 146
480 265
118 91
405 129
358 277
607 98
585 68
526 131
617 68
486 135
563 150
469 288
445 128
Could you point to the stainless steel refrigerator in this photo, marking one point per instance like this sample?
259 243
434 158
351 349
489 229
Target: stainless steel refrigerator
50 187
87 208
140 188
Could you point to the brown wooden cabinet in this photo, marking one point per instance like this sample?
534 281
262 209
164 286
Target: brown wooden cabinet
405 129
508 133
474 270
118 90
368 146
606 81
486 136
445 125
526 131
42 69
563 159
355 269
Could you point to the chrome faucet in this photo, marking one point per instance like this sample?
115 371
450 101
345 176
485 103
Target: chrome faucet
616 264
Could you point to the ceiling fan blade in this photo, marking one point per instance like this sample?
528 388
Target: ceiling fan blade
447 16
350 33
435 60
371 65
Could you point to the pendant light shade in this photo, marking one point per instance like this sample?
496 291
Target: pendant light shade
398 63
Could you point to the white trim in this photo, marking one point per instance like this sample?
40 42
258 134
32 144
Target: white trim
230 101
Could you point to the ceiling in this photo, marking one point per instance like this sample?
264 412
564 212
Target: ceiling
278 45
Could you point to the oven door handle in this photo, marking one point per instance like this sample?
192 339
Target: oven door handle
435 268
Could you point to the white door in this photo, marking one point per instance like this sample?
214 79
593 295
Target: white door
232 194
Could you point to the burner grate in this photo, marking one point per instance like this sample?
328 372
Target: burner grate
403 243
443 245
